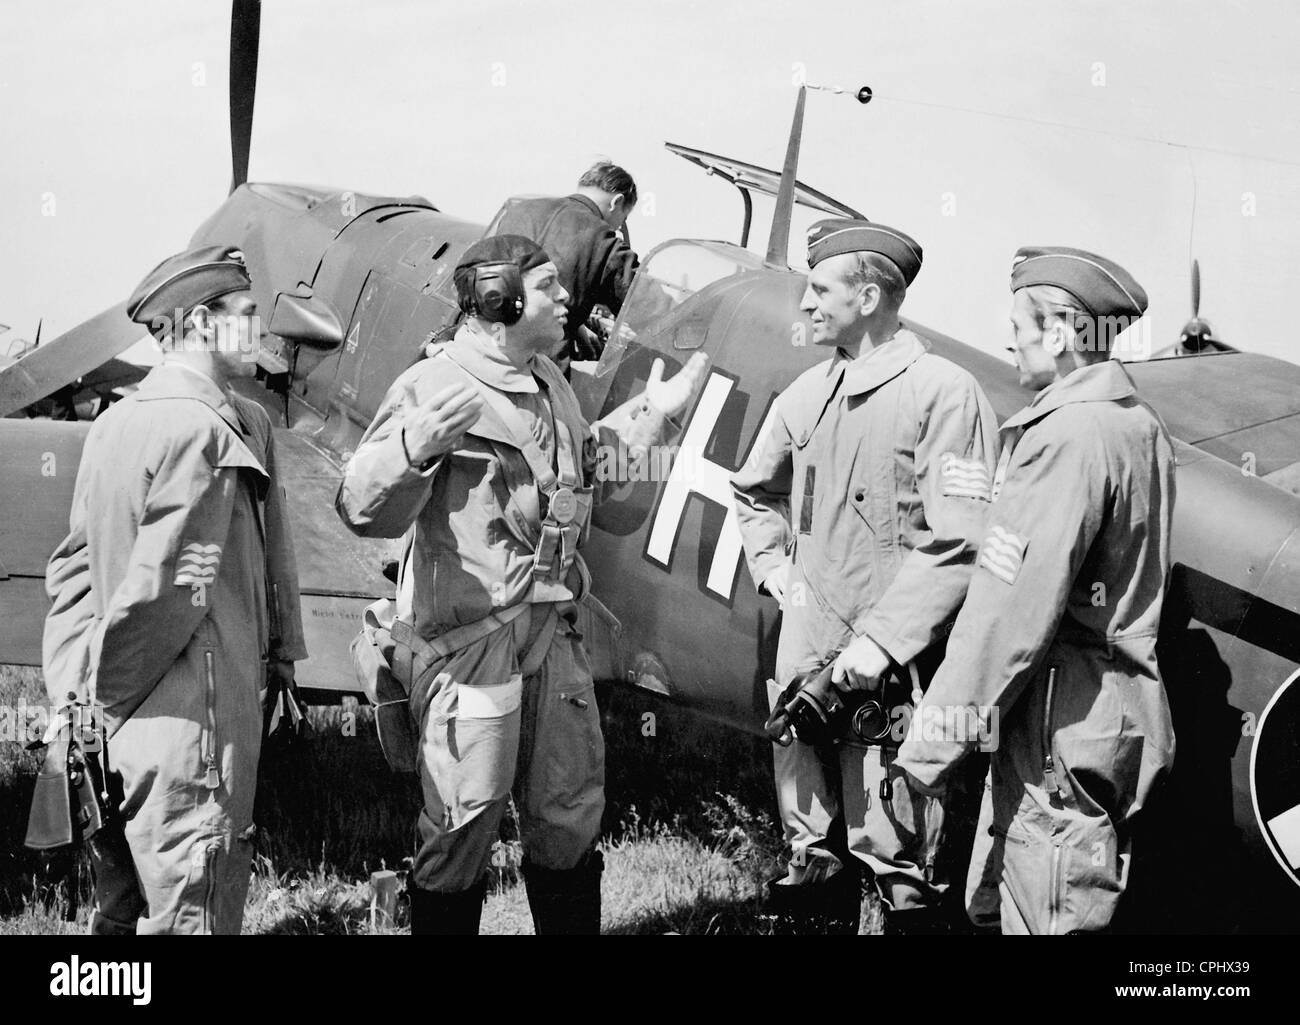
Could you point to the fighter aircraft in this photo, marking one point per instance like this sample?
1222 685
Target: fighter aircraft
352 285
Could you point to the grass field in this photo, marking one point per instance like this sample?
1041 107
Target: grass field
689 833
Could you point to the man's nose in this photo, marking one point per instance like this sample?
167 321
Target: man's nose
807 304
561 295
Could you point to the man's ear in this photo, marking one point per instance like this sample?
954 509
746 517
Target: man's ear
870 301
616 203
201 317
1056 338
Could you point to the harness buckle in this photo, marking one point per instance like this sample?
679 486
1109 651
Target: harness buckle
563 505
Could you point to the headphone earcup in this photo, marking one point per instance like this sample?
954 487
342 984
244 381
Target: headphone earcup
499 292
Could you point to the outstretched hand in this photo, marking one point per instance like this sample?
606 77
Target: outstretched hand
674 396
437 425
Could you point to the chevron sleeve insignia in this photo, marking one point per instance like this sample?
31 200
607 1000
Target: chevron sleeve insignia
1003 553
197 564
964 478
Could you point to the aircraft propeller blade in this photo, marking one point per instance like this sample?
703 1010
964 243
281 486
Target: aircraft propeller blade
65 359
39 324
245 32
1196 289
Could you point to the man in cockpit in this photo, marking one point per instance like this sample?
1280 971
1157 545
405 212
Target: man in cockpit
585 235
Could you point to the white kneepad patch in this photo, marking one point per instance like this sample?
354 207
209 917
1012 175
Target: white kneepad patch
489 702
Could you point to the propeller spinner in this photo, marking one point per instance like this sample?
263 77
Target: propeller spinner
1197 334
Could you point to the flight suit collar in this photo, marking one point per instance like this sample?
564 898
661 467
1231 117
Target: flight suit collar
476 355
882 363
1099 382
588 203
179 381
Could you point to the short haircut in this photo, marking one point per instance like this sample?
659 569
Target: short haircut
217 306
609 178
1093 335
874 269
225 303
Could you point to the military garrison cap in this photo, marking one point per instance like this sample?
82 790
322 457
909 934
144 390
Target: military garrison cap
187 279
1103 287
848 235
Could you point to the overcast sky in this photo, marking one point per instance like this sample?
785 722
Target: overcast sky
1138 130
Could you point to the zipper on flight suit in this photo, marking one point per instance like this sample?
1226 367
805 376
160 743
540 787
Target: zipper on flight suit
1049 764
1054 899
210 890
933 810
213 776
273 615
1049 773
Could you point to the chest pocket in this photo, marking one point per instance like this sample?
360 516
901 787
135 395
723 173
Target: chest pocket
809 436
860 501
478 477
876 421
551 514
806 498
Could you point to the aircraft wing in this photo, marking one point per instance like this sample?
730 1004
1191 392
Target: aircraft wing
339 573
62 361
1242 407
36 480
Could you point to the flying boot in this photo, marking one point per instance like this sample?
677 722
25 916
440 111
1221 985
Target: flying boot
829 907
565 902
447 914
